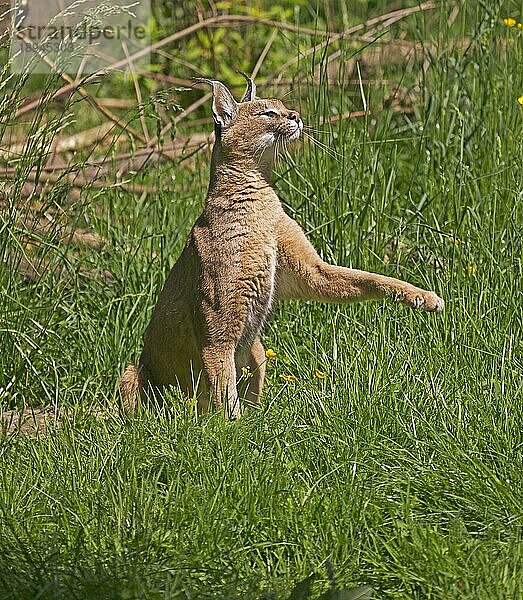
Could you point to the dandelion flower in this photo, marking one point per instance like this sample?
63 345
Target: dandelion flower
520 100
269 353
509 22
520 26
320 374
289 378
191 401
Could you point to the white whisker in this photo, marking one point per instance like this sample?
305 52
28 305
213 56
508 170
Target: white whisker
314 130
332 153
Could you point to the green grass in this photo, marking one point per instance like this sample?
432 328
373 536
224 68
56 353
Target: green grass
403 467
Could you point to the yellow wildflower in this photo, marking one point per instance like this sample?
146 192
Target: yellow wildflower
269 353
471 269
247 372
509 22
520 100
289 378
520 26
320 374
191 401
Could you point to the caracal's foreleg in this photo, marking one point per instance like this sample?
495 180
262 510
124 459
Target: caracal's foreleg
302 274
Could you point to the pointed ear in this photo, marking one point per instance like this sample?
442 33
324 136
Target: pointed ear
224 106
250 92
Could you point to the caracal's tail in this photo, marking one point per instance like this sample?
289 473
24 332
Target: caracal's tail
132 384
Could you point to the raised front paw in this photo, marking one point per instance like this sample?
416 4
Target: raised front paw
423 300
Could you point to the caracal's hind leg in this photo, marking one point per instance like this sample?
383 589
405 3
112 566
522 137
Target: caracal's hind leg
302 274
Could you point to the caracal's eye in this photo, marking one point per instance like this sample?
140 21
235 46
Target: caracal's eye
269 113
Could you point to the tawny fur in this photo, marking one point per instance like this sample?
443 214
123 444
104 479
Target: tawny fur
243 254
132 382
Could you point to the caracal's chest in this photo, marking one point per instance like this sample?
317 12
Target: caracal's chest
237 266
256 288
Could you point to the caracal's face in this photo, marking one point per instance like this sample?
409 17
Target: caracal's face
261 126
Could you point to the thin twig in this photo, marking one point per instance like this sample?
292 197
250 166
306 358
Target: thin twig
264 53
388 19
343 116
138 93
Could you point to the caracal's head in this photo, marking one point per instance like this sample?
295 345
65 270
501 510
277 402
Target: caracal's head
254 127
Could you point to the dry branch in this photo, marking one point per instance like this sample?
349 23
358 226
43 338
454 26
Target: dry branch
71 143
233 20
378 23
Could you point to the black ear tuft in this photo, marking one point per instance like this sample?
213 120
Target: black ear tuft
250 92
224 106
